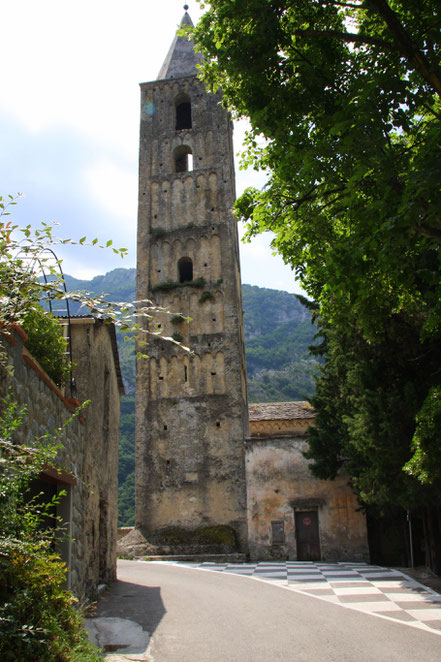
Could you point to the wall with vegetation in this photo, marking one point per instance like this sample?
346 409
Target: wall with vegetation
85 466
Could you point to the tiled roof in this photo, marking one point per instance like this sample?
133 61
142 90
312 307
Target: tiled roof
276 411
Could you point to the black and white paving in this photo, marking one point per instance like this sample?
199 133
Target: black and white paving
382 592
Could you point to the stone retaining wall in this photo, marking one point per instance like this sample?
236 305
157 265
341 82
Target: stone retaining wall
87 460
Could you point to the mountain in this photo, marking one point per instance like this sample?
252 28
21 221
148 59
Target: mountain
119 284
278 332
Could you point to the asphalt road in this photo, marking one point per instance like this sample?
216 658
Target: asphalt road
198 616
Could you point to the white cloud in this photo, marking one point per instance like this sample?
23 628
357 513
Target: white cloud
257 249
69 118
114 188
79 64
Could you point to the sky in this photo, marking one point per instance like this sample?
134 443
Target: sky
69 124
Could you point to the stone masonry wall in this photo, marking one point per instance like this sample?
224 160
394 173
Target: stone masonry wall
85 466
279 482
191 411
96 381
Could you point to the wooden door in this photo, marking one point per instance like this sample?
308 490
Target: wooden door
307 535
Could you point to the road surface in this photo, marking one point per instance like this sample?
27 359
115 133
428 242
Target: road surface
193 615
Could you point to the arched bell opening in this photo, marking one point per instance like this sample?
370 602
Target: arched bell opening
185 270
183 159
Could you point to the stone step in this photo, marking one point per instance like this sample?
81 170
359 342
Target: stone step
200 558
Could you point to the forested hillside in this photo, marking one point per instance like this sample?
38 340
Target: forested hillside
278 332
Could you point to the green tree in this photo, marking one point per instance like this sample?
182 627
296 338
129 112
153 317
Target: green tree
344 100
367 398
346 96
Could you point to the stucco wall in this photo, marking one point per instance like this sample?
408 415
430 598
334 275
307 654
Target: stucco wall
279 482
88 457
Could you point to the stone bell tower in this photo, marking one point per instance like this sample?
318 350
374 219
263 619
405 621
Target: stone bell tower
191 409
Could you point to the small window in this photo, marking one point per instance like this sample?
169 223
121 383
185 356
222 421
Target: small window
278 532
183 112
183 158
185 270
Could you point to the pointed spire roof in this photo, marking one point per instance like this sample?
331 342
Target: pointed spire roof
181 59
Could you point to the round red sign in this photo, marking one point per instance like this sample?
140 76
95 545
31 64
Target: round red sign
307 521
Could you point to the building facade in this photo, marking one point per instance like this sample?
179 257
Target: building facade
292 514
85 475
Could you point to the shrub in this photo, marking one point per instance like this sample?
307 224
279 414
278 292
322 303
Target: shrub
172 284
206 296
47 343
38 618
177 319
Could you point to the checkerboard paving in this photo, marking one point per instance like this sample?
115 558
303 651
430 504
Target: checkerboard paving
382 592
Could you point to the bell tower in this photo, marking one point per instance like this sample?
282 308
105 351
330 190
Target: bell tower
191 409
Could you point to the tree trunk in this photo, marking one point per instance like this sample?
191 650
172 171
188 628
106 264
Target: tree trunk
432 535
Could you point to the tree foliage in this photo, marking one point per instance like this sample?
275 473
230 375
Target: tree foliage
30 274
344 100
47 343
367 398
352 134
